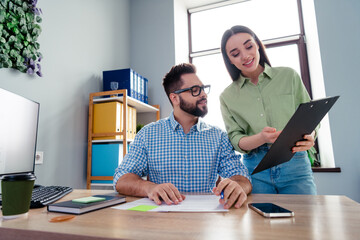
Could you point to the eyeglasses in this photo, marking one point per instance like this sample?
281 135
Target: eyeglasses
195 90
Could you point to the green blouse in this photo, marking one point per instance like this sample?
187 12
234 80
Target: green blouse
247 108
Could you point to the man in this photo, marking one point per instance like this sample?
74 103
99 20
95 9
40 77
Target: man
181 153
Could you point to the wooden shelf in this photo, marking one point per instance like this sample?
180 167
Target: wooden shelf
140 106
121 96
112 141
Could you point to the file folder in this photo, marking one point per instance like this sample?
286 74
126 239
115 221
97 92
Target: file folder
107 119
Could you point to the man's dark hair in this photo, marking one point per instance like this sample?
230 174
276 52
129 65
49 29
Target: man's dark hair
172 80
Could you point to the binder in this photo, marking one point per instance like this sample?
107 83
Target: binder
121 118
134 80
303 122
134 122
146 90
129 123
136 75
142 89
107 119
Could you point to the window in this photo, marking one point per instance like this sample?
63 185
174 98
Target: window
278 23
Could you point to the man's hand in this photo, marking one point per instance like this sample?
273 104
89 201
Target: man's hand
306 144
133 185
166 191
234 193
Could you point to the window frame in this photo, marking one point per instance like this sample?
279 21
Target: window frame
299 40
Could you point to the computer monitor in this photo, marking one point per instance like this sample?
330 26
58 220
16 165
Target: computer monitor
18 133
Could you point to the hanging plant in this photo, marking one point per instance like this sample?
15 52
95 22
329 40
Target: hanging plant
19 31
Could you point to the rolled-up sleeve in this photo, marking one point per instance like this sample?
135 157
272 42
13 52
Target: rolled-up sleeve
230 162
135 161
235 132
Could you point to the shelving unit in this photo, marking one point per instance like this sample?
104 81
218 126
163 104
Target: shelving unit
121 96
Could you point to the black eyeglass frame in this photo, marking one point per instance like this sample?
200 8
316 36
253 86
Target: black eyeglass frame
202 88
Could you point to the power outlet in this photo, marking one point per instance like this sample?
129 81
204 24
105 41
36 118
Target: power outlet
39 157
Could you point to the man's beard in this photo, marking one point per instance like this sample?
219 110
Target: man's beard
193 110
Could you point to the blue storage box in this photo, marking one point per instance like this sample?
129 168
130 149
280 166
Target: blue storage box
126 78
105 159
135 84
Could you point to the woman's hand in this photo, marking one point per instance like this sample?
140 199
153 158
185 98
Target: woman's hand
306 144
269 134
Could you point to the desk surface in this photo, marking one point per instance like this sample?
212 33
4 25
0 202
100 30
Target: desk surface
316 217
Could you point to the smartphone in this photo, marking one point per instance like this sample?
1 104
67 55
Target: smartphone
271 210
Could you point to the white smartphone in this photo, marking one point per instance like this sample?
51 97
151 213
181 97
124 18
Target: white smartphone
270 210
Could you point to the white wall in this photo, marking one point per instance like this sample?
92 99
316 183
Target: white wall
152 47
181 32
339 36
79 39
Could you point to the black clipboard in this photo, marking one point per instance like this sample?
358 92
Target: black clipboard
304 121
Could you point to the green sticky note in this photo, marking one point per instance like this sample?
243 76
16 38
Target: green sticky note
88 199
142 208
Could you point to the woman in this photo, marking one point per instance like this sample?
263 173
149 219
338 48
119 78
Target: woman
256 106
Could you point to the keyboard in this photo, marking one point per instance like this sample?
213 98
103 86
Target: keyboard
44 195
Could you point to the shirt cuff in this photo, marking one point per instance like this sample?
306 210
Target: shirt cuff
235 142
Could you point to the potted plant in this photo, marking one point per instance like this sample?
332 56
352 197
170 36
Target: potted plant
19 31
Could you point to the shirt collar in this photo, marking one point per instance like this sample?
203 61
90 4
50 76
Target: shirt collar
199 126
267 71
173 123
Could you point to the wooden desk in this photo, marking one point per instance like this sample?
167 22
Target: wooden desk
316 217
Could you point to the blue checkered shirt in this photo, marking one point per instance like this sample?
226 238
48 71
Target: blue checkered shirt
192 161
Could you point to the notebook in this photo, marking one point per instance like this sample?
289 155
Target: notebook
80 207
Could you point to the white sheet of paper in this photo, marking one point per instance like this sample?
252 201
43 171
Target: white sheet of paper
192 203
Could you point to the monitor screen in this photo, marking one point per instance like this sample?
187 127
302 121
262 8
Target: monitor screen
18 132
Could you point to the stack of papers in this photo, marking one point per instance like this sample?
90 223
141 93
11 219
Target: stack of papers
192 203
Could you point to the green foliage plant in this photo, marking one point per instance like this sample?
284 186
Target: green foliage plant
19 31
139 127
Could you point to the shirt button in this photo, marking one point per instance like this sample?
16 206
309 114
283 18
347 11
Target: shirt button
258 99
261 115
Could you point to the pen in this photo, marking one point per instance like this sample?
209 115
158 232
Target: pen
221 194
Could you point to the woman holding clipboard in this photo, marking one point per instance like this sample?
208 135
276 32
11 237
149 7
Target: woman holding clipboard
255 108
